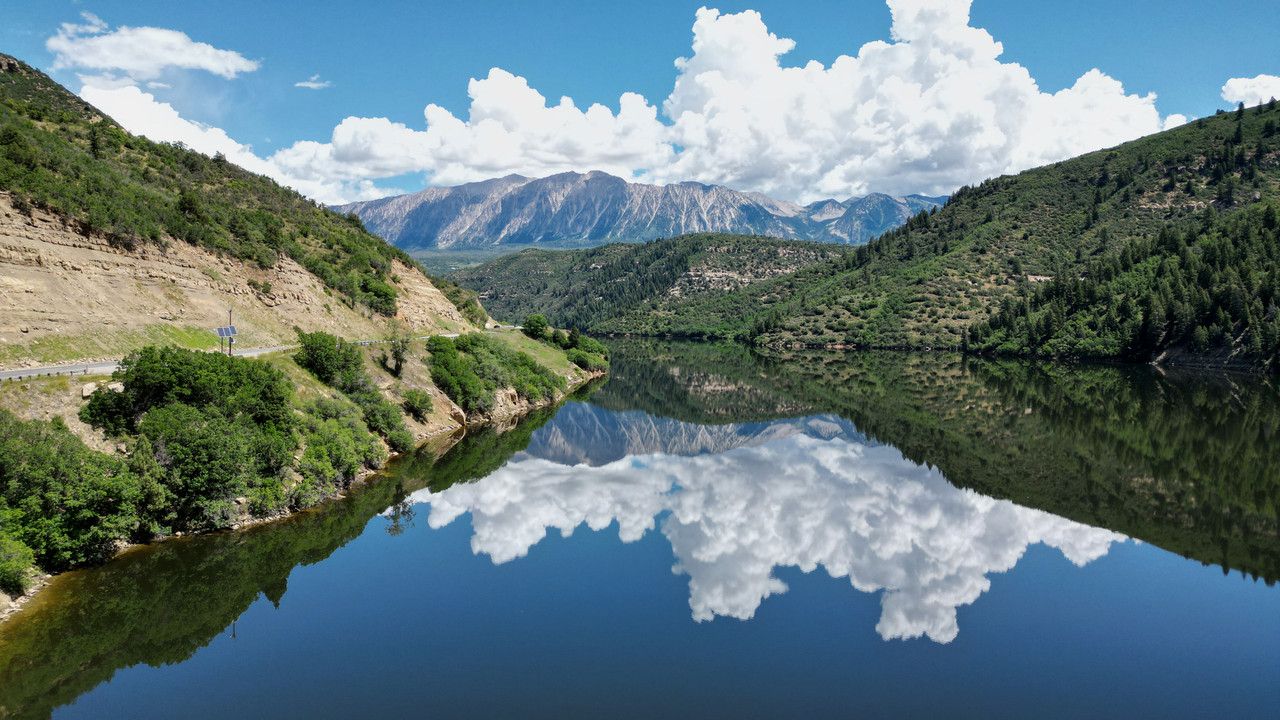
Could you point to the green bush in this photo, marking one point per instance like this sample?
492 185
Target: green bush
587 361
339 364
455 377
535 326
400 439
215 428
418 403
210 459
471 381
589 345
15 561
326 356
68 504
266 500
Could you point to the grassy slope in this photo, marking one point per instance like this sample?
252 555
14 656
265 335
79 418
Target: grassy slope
582 288
922 285
61 154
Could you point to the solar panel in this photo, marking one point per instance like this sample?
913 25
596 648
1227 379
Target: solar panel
224 332
232 330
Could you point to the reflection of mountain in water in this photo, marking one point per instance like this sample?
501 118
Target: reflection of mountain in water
585 434
859 511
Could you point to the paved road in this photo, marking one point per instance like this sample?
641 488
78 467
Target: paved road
108 367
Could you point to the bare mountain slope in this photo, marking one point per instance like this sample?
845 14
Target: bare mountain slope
575 209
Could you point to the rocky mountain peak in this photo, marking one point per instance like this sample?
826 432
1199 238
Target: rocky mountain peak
592 208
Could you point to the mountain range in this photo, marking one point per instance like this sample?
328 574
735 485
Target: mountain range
587 209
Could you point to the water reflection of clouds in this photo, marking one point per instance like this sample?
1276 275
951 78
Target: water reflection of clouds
860 512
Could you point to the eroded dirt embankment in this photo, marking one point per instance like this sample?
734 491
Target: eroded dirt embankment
65 297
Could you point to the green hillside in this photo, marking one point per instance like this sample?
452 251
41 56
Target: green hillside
585 288
1164 245
60 154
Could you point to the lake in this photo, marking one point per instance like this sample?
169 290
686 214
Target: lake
715 533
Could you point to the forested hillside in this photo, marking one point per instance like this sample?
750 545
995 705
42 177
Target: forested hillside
61 155
585 288
1168 244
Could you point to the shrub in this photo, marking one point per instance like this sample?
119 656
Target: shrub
210 461
472 381
587 361
326 356
213 428
418 403
535 326
267 499
66 503
455 377
339 364
15 560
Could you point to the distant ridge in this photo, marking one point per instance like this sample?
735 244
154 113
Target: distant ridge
588 209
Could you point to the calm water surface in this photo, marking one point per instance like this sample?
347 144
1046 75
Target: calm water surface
715 534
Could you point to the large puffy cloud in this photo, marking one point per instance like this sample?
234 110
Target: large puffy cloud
141 53
858 511
511 128
930 110
1251 91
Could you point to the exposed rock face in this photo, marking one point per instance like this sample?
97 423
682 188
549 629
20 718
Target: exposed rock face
595 208
64 296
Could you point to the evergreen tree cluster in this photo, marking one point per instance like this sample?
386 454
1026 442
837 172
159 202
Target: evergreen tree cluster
1212 288
589 288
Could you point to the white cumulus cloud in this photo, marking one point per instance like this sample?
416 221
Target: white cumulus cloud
1251 91
933 109
929 110
140 53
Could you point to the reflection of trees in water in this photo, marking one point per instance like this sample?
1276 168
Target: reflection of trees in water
160 604
1183 459
694 382
400 517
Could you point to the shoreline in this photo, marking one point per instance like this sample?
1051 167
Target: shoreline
1179 359
16 604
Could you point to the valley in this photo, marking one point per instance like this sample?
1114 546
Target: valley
1164 247
815 360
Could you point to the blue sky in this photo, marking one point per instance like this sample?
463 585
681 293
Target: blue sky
850 132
